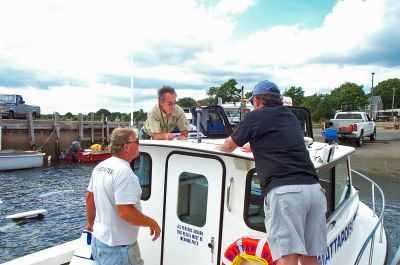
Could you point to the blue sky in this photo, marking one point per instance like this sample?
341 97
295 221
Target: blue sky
77 55
270 13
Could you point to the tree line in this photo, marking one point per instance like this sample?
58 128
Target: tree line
322 106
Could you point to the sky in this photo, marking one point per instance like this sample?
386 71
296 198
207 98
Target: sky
80 56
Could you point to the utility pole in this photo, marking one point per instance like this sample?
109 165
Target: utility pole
393 103
372 94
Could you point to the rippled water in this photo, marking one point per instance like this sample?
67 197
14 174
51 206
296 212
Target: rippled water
58 188
61 188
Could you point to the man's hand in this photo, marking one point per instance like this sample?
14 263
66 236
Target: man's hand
246 148
228 146
155 230
89 227
182 137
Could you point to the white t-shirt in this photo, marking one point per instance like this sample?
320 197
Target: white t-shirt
114 183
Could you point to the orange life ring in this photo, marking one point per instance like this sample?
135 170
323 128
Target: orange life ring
250 246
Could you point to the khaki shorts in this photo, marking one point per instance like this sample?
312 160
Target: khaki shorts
295 220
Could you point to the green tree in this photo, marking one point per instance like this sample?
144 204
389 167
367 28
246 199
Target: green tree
325 109
312 102
68 115
349 97
248 95
100 112
297 95
227 91
126 117
186 102
385 90
138 115
210 101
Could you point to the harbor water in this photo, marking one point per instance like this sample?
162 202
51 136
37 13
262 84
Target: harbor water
60 188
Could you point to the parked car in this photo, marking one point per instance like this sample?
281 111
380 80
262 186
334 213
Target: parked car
13 106
354 125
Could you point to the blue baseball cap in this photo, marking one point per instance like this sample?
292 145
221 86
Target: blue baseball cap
265 88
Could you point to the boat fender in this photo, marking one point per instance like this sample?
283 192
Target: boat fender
248 249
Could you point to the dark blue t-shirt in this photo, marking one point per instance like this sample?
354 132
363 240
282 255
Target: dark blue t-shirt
277 142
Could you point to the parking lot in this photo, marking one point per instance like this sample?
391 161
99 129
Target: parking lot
379 160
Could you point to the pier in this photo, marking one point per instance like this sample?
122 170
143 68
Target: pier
52 136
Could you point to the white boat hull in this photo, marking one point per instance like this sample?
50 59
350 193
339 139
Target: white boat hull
215 187
63 253
11 159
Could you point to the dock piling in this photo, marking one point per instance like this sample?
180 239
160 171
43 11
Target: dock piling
57 130
31 130
80 118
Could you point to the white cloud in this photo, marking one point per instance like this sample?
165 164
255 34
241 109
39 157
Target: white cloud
180 42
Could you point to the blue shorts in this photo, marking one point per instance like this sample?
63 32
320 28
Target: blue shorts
295 220
121 255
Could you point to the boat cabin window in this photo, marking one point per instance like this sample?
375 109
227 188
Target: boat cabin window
192 199
142 168
254 203
336 182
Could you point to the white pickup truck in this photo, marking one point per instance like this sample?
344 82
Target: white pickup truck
351 125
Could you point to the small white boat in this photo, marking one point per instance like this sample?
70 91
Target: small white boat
14 159
38 214
210 207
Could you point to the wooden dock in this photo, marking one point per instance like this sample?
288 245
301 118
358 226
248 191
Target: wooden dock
52 136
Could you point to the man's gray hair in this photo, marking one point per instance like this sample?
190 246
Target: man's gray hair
120 137
163 90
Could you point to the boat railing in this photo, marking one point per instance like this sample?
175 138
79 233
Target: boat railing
379 224
396 257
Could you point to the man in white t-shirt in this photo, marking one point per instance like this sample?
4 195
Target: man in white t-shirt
113 204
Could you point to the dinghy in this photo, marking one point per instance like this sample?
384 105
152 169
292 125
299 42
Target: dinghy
14 159
37 214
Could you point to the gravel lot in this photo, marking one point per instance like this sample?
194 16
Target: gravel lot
379 160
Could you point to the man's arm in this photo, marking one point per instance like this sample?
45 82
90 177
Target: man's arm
90 210
163 136
130 214
228 146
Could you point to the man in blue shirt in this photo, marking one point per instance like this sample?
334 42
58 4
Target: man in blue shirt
294 202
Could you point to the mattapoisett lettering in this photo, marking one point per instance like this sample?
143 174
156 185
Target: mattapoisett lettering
338 242
105 169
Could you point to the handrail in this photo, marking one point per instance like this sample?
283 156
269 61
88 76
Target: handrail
396 257
380 220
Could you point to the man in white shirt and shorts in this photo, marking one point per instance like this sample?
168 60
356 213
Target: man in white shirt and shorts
113 204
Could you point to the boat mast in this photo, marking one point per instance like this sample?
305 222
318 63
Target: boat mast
132 86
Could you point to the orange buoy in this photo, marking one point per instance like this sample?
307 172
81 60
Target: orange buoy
246 247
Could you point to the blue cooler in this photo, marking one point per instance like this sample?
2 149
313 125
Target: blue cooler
331 134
